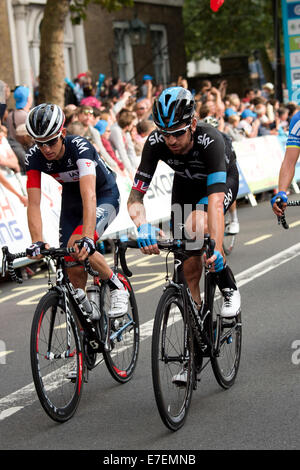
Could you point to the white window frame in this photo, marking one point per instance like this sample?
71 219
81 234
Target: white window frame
165 67
129 64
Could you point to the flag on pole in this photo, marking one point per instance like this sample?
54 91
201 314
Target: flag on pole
216 4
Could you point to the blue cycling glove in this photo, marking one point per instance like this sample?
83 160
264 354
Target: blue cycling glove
146 235
282 195
219 262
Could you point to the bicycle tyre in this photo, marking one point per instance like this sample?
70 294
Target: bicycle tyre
171 332
58 395
228 243
125 338
225 363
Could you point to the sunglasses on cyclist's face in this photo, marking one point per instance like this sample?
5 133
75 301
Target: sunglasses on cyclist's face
48 143
177 133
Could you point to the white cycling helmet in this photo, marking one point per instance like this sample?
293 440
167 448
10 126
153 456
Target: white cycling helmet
45 120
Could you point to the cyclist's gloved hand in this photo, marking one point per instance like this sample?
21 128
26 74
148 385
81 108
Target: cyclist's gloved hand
219 262
281 195
147 235
35 249
87 243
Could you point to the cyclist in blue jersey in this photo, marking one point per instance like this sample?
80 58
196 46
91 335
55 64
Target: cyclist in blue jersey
90 197
205 185
288 165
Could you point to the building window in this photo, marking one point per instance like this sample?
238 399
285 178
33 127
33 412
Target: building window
122 51
159 45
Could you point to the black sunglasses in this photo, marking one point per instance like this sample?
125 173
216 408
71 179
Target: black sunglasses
49 143
176 133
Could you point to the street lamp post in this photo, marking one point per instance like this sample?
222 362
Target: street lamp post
278 69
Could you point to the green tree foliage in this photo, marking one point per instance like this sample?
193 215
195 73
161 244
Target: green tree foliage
239 27
78 7
52 70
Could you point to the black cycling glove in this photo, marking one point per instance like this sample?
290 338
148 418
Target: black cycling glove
35 249
87 243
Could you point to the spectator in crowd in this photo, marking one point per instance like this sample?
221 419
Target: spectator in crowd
248 95
70 111
90 97
272 106
23 137
147 84
267 90
232 128
293 109
143 129
8 157
4 182
249 123
121 140
103 128
17 116
281 123
75 128
143 109
86 117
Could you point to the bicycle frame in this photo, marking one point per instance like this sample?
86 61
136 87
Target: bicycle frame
67 294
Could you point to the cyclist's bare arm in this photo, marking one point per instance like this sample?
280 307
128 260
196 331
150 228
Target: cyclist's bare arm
215 220
286 174
136 208
215 215
34 214
88 195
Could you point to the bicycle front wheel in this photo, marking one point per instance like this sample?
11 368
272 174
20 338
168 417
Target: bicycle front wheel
121 360
228 242
56 358
227 334
172 360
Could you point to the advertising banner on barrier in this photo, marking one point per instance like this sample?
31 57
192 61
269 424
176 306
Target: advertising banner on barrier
260 159
157 200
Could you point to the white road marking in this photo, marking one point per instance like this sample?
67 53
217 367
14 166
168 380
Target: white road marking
25 396
258 239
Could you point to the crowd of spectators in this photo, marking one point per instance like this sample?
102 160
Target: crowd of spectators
116 117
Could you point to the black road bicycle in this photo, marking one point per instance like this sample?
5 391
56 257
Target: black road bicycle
66 343
186 339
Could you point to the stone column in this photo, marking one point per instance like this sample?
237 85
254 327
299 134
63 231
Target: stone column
80 48
22 43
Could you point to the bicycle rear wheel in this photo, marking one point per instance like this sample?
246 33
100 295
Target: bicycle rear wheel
124 340
56 358
227 334
172 354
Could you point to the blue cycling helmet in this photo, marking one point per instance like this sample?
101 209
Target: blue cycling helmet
174 106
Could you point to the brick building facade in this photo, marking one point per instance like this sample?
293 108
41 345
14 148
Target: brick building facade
103 43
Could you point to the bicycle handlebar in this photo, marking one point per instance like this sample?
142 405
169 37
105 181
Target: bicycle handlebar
8 259
281 219
174 245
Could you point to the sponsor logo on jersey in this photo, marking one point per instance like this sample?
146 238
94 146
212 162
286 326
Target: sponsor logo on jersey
156 138
228 198
205 140
81 144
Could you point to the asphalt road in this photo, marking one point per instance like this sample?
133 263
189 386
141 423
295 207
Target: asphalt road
261 411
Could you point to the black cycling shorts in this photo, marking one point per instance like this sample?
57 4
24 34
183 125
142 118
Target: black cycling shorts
108 204
187 197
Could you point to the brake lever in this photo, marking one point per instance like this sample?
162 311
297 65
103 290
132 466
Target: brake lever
281 218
